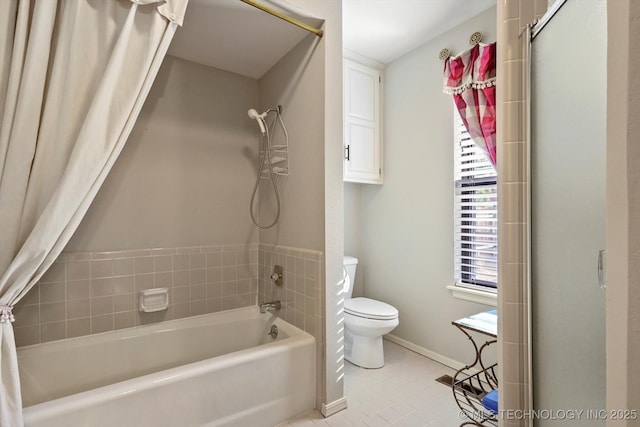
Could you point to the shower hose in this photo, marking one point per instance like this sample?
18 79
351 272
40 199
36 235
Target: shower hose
265 157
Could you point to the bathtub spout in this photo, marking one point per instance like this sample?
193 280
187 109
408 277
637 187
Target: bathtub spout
270 306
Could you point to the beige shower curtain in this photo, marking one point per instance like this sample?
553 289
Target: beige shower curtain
74 75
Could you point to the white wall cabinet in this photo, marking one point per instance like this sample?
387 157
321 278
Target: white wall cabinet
362 122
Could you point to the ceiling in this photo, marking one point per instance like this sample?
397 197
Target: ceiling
384 30
233 36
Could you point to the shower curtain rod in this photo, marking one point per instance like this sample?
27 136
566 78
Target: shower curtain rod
284 17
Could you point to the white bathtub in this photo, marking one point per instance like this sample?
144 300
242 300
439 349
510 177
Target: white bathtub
218 369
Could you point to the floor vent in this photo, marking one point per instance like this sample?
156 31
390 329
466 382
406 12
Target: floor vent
468 388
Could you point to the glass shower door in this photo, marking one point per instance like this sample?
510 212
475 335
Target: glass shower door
568 215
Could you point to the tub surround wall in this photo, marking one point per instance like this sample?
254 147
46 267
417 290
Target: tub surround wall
301 294
91 292
301 290
185 176
296 82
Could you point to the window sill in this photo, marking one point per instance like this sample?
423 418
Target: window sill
475 295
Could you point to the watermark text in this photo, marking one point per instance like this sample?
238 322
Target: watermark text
556 414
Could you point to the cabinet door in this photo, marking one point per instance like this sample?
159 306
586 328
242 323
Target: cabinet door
362 142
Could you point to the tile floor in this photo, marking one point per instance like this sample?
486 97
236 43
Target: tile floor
403 393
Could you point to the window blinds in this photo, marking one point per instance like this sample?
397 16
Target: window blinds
475 212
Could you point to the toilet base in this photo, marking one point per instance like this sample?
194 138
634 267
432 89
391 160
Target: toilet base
366 352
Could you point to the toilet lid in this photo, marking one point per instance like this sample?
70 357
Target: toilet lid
370 309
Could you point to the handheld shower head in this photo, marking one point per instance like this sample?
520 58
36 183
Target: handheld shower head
253 114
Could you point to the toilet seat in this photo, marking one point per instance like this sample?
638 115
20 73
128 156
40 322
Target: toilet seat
370 309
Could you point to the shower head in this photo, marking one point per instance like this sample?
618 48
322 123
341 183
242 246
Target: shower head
253 114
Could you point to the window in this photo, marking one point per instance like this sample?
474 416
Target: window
475 213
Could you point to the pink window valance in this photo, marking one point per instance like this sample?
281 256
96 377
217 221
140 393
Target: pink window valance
471 77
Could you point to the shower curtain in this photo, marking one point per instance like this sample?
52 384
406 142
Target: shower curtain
471 77
74 75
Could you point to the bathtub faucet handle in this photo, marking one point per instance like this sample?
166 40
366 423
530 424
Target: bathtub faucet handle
271 306
278 271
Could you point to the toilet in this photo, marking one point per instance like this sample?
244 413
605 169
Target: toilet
366 321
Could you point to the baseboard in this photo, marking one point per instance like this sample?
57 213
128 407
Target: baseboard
334 407
454 364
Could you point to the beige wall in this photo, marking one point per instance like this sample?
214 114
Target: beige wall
185 176
297 83
331 11
623 208
308 84
402 231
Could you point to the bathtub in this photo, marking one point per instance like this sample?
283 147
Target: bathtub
218 369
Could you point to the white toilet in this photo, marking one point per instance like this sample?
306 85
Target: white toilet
366 321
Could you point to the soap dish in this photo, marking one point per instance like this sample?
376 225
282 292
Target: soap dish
156 299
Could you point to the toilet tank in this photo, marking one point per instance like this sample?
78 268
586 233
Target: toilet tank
350 264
